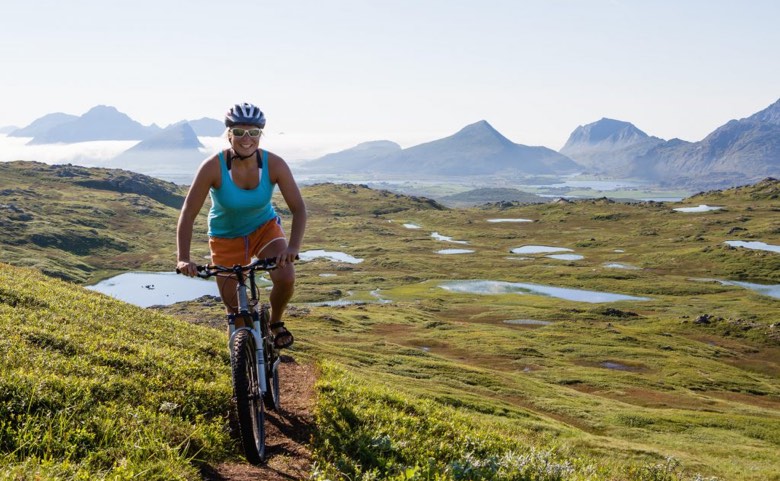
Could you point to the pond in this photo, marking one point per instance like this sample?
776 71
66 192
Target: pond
501 287
566 257
531 249
700 208
412 226
761 246
509 220
617 265
445 238
765 289
527 322
454 251
330 255
146 289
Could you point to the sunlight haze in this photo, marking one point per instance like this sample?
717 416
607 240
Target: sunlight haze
404 71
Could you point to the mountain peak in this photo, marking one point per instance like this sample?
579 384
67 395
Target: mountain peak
606 130
480 126
481 131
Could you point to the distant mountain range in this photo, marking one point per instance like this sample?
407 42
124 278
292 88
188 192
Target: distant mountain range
173 154
737 153
740 152
101 123
476 150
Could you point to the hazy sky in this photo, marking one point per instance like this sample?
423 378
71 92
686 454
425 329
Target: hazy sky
403 70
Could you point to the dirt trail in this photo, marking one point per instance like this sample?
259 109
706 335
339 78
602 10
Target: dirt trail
288 433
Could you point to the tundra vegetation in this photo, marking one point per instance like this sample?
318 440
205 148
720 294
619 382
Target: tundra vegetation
416 382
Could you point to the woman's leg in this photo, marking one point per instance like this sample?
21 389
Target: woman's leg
283 279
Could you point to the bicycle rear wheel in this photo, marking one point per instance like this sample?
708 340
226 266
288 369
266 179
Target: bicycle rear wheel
249 405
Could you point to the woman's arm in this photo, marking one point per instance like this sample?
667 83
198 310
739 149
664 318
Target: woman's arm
282 176
204 179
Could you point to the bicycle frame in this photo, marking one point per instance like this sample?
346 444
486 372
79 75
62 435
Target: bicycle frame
247 308
245 302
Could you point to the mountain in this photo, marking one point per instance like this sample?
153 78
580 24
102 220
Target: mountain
43 124
207 127
351 158
172 154
609 146
8 129
177 136
739 152
99 123
477 149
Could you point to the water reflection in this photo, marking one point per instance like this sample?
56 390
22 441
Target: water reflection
330 255
527 322
501 287
454 251
761 246
539 249
509 220
445 238
700 208
146 289
617 265
567 257
765 289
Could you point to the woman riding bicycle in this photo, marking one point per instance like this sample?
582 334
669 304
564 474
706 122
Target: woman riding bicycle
242 221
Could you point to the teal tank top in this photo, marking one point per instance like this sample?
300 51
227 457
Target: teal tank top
237 212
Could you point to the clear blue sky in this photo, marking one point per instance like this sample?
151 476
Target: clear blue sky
397 70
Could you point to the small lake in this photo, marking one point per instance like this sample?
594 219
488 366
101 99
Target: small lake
501 287
567 257
617 265
527 322
761 246
600 185
146 289
445 238
330 255
700 208
765 289
508 220
412 226
455 251
539 249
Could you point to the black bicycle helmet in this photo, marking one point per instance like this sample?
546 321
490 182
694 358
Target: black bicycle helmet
246 114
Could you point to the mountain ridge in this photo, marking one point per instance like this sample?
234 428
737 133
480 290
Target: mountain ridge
476 149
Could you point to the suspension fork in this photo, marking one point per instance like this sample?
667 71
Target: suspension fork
246 310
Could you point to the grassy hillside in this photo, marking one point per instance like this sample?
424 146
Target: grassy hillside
93 388
81 224
433 384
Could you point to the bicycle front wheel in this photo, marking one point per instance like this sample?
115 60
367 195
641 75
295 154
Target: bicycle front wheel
249 403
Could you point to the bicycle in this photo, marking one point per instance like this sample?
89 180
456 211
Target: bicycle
254 359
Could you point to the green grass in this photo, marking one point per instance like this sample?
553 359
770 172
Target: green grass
475 396
93 388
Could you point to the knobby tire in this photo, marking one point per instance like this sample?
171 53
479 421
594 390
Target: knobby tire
249 405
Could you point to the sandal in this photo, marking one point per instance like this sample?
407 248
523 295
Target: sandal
283 339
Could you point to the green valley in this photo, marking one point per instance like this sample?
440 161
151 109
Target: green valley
417 381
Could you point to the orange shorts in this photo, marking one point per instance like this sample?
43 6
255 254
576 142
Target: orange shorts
239 250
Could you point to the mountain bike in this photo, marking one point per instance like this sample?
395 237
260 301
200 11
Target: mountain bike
254 359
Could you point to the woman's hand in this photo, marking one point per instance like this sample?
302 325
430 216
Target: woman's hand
189 269
290 254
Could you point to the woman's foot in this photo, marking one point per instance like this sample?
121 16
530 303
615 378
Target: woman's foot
282 337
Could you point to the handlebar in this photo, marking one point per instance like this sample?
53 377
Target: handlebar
209 270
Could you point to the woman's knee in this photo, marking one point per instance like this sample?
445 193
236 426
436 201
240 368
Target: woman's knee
284 280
